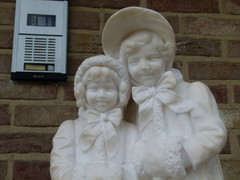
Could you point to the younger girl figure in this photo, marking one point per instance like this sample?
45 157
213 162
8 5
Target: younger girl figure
97 144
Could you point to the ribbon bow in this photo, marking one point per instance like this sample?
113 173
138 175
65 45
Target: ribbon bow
151 100
101 124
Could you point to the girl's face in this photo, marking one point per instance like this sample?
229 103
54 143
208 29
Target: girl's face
102 95
146 65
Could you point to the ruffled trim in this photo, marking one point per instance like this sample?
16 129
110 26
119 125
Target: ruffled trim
101 60
173 164
159 119
137 156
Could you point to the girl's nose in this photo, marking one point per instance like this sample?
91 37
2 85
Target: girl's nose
144 65
101 93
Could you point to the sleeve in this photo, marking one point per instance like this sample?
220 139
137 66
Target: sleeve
209 132
130 138
63 152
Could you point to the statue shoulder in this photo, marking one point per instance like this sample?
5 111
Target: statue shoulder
199 92
66 129
198 88
68 124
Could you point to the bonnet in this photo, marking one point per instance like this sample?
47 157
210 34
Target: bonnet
132 19
102 61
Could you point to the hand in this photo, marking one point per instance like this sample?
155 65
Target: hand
154 157
102 171
162 158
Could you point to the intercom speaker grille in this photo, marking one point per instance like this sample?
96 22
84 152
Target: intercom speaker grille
40 49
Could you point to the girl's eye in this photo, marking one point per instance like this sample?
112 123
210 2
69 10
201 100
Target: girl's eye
110 89
132 61
92 89
153 58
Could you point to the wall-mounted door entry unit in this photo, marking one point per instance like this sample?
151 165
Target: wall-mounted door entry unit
40 40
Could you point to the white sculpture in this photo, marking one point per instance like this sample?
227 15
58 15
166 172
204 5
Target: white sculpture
179 122
97 145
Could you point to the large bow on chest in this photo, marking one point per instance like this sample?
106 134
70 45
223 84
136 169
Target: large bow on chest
101 125
151 98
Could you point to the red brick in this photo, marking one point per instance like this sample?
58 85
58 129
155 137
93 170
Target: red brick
193 6
233 49
236 94
4 114
6 39
72 65
214 71
115 4
232 6
25 143
212 26
7 15
178 65
28 90
74 62
107 16
43 115
236 2
231 118
231 170
226 149
7 0
174 22
83 20
238 137
68 92
31 170
3 169
198 47
220 93
84 43
5 63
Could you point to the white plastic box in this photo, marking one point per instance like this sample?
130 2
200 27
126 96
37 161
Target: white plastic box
40 40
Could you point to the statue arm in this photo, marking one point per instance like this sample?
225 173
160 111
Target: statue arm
131 137
209 132
63 152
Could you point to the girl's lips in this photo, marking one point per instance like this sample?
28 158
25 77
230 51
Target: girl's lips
101 102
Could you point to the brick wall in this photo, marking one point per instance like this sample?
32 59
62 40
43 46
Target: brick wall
208 49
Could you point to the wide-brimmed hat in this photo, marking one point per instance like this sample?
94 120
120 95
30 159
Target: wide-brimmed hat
128 20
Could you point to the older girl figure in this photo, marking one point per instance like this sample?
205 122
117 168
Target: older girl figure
179 122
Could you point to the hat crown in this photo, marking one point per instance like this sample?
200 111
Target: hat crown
128 20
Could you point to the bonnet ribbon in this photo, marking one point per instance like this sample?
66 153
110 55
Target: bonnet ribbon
152 99
101 124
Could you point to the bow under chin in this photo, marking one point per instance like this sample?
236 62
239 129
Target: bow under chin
101 126
151 101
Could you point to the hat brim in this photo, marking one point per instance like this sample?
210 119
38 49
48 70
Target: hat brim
128 20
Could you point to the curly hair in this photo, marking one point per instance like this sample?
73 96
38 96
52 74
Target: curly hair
136 40
98 68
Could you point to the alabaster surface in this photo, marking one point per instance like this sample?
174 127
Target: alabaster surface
178 131
181 131
96 145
